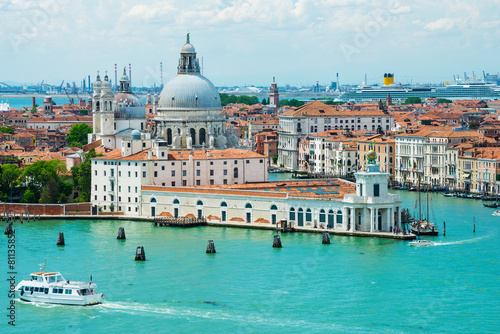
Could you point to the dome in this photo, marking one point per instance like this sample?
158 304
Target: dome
188 48
106 84
136 134
189 91
128 106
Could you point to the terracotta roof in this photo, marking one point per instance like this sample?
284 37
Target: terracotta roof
317 108
230 153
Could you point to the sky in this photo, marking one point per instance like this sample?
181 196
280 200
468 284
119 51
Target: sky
248 42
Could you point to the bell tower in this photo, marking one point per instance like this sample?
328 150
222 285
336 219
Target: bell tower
274 96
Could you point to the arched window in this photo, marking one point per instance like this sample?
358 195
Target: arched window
339 217
235 173
300 217
248 206
308 215
202 136
331 218
153 200
274 207
199 203
169 136
322 216
223 204
176 201
292 214
192 133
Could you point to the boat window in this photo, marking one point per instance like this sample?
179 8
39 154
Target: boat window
36 289
46 290
51 279
39 279
54 290
68 291
33 278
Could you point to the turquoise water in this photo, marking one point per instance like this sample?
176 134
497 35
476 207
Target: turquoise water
354 285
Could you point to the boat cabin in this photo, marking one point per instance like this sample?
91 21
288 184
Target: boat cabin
47 277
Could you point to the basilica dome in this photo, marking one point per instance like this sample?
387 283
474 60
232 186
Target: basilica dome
127 105
189 91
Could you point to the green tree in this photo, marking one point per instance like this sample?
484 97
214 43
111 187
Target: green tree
264 101
291 103
7 129
29 197
82 177
45 176
441 100
9 179
413 100
78 135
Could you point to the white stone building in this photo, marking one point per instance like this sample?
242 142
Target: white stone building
315 117
116 116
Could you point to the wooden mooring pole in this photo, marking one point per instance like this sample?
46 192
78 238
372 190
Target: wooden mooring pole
60 239
210 247
277 241
140 255
326 238
444 229
8 229
121 234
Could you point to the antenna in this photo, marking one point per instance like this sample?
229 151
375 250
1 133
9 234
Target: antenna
116 81
161 74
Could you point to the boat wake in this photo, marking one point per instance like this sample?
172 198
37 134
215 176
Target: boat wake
459 242
209 312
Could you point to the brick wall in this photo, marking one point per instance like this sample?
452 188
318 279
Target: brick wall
46 209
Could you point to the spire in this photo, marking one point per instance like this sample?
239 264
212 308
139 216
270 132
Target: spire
187 38
98 77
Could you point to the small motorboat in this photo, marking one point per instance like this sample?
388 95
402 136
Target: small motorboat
496 213
421 243
53 288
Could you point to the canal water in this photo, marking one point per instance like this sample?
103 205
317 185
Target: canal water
354 285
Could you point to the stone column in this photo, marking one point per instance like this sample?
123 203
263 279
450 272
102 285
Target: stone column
389 219
371 219
352 217
375 228
345 218
398 217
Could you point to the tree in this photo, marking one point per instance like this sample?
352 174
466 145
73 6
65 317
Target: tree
82 176
413 100
7 129
9 179
225 99
291 103
78 135
45 177
441 100
264 101
29 197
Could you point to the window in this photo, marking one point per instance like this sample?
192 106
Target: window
225 172
224 181
376 190
198 172
104 187
143 174
235 173
136 190
96 172
162 167
129 188
96 187
184 163
184 182
211 163
156 174
211 172
184 173
248 161
173 173
198 182
173 183
197 163
104 197
129 174
136 174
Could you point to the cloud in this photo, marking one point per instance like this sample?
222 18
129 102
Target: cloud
441 24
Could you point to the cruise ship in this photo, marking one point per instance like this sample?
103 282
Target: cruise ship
454 91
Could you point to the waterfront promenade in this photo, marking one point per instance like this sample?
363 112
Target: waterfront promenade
261 226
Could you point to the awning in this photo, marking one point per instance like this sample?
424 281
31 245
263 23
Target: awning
467 175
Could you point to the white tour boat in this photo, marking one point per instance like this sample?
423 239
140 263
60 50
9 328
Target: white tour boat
496 213
421 243
52 288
